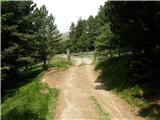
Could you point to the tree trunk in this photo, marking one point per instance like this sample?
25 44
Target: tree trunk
44 59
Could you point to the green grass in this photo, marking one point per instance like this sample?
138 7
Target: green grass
131 96
59 62
30 99
56 61
143 105
31 102
114 75
102 114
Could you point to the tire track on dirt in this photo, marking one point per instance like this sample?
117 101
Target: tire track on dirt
77 85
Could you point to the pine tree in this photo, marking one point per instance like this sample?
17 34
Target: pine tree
79 31
91 32
71 37
16 33
46 34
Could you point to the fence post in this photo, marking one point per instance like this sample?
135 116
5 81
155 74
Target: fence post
68 55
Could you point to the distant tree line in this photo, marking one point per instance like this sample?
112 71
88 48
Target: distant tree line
123 25
28 34
82 35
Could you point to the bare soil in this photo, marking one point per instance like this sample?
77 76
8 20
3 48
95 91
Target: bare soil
77 85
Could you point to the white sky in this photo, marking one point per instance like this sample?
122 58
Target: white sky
67 11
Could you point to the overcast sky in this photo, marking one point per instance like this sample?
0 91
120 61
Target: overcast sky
67 11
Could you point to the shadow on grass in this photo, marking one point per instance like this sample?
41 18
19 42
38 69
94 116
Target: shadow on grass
114 73
152 110
11 86
16 114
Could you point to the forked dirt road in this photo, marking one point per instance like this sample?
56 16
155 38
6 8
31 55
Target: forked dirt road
77 85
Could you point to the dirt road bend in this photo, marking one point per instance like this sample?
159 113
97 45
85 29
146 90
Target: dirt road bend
77 85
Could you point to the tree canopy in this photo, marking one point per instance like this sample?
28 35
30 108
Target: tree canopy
29 35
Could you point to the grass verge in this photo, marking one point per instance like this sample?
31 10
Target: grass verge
31 102
102 113
30 99
114 75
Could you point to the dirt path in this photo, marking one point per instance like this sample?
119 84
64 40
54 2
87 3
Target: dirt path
77 85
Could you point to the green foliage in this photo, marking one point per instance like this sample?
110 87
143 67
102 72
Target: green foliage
128 25
78 38
115 75
29 35
64 43
91 32
83 35
103 40
46 35
10 85
132 22
115 72
16 32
